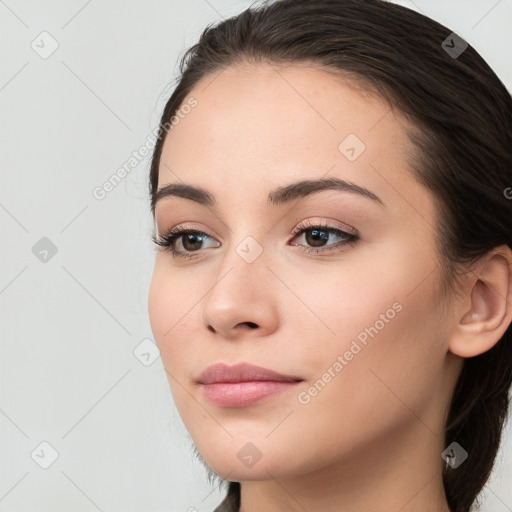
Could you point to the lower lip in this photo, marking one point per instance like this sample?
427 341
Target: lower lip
243 394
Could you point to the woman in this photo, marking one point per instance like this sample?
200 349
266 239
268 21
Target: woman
332 289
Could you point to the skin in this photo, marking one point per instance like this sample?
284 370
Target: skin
372 438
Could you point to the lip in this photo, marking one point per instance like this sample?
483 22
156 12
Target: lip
243 384
242 372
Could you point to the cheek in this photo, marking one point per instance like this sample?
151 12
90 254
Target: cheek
384 285
168 319
357 302
391 358
374 389
174 314
165 308
381 320
158 307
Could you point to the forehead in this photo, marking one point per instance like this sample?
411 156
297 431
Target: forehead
261 106
258 126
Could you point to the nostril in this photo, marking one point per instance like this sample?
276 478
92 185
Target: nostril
252 324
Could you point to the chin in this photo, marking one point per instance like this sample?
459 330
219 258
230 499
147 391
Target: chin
243 460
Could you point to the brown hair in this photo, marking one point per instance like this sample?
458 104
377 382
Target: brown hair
463 115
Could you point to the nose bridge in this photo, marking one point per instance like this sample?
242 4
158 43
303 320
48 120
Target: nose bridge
247 238
243 266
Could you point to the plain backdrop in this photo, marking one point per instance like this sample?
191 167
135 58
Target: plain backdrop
87 421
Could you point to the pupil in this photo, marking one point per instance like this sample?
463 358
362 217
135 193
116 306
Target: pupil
315 237
190 238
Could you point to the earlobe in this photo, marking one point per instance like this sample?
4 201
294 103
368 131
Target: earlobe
489 314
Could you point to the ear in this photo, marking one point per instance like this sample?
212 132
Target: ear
487 305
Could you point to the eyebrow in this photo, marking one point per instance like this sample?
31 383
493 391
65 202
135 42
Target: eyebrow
280 195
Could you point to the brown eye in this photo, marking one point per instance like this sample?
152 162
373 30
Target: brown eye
191 241
317 237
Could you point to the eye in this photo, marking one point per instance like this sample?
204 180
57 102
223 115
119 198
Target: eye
318 235
191 240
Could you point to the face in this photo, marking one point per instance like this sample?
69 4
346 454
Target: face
336 287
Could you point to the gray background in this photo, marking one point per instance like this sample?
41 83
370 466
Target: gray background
72 323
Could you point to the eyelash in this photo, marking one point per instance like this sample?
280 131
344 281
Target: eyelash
168 239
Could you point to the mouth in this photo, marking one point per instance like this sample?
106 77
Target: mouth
243 384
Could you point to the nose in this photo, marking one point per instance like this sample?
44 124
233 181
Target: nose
243 300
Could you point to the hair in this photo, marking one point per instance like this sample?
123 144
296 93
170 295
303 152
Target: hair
461 115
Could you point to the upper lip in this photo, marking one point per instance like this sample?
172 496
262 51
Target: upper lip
242 372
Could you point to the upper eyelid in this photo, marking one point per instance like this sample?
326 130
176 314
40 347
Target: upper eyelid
326 223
